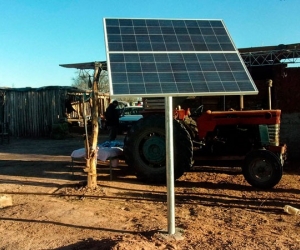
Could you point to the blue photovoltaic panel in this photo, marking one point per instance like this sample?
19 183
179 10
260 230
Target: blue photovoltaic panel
152 57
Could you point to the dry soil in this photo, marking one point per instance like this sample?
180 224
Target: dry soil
215 207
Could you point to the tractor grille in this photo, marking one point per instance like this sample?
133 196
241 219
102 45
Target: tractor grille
274 131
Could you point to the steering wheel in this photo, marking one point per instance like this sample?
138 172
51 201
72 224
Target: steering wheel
198 111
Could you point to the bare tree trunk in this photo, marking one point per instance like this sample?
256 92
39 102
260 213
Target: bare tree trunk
86 137
92 171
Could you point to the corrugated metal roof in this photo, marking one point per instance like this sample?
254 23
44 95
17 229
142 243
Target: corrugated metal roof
87 65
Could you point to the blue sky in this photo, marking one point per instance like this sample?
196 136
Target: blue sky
38 35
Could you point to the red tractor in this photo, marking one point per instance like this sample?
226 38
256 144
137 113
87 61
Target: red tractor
252 136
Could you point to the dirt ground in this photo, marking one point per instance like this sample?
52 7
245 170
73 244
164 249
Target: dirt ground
215 207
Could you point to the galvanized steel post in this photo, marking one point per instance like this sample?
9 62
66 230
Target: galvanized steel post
170 164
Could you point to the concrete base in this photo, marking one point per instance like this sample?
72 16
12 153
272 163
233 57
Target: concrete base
177 235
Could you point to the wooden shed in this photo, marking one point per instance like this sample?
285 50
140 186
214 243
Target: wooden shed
31 112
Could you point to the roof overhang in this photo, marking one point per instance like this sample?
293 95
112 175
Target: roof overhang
85 66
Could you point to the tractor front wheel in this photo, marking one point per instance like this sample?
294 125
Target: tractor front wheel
262 169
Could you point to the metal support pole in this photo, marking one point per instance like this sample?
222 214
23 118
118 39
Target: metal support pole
270 82
170 164
241 102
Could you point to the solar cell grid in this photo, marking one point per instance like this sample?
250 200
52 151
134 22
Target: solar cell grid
178 57
168 34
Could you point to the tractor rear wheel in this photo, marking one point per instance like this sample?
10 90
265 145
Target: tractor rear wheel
145 149
262 169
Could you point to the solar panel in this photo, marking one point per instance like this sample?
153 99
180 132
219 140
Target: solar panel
159 57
